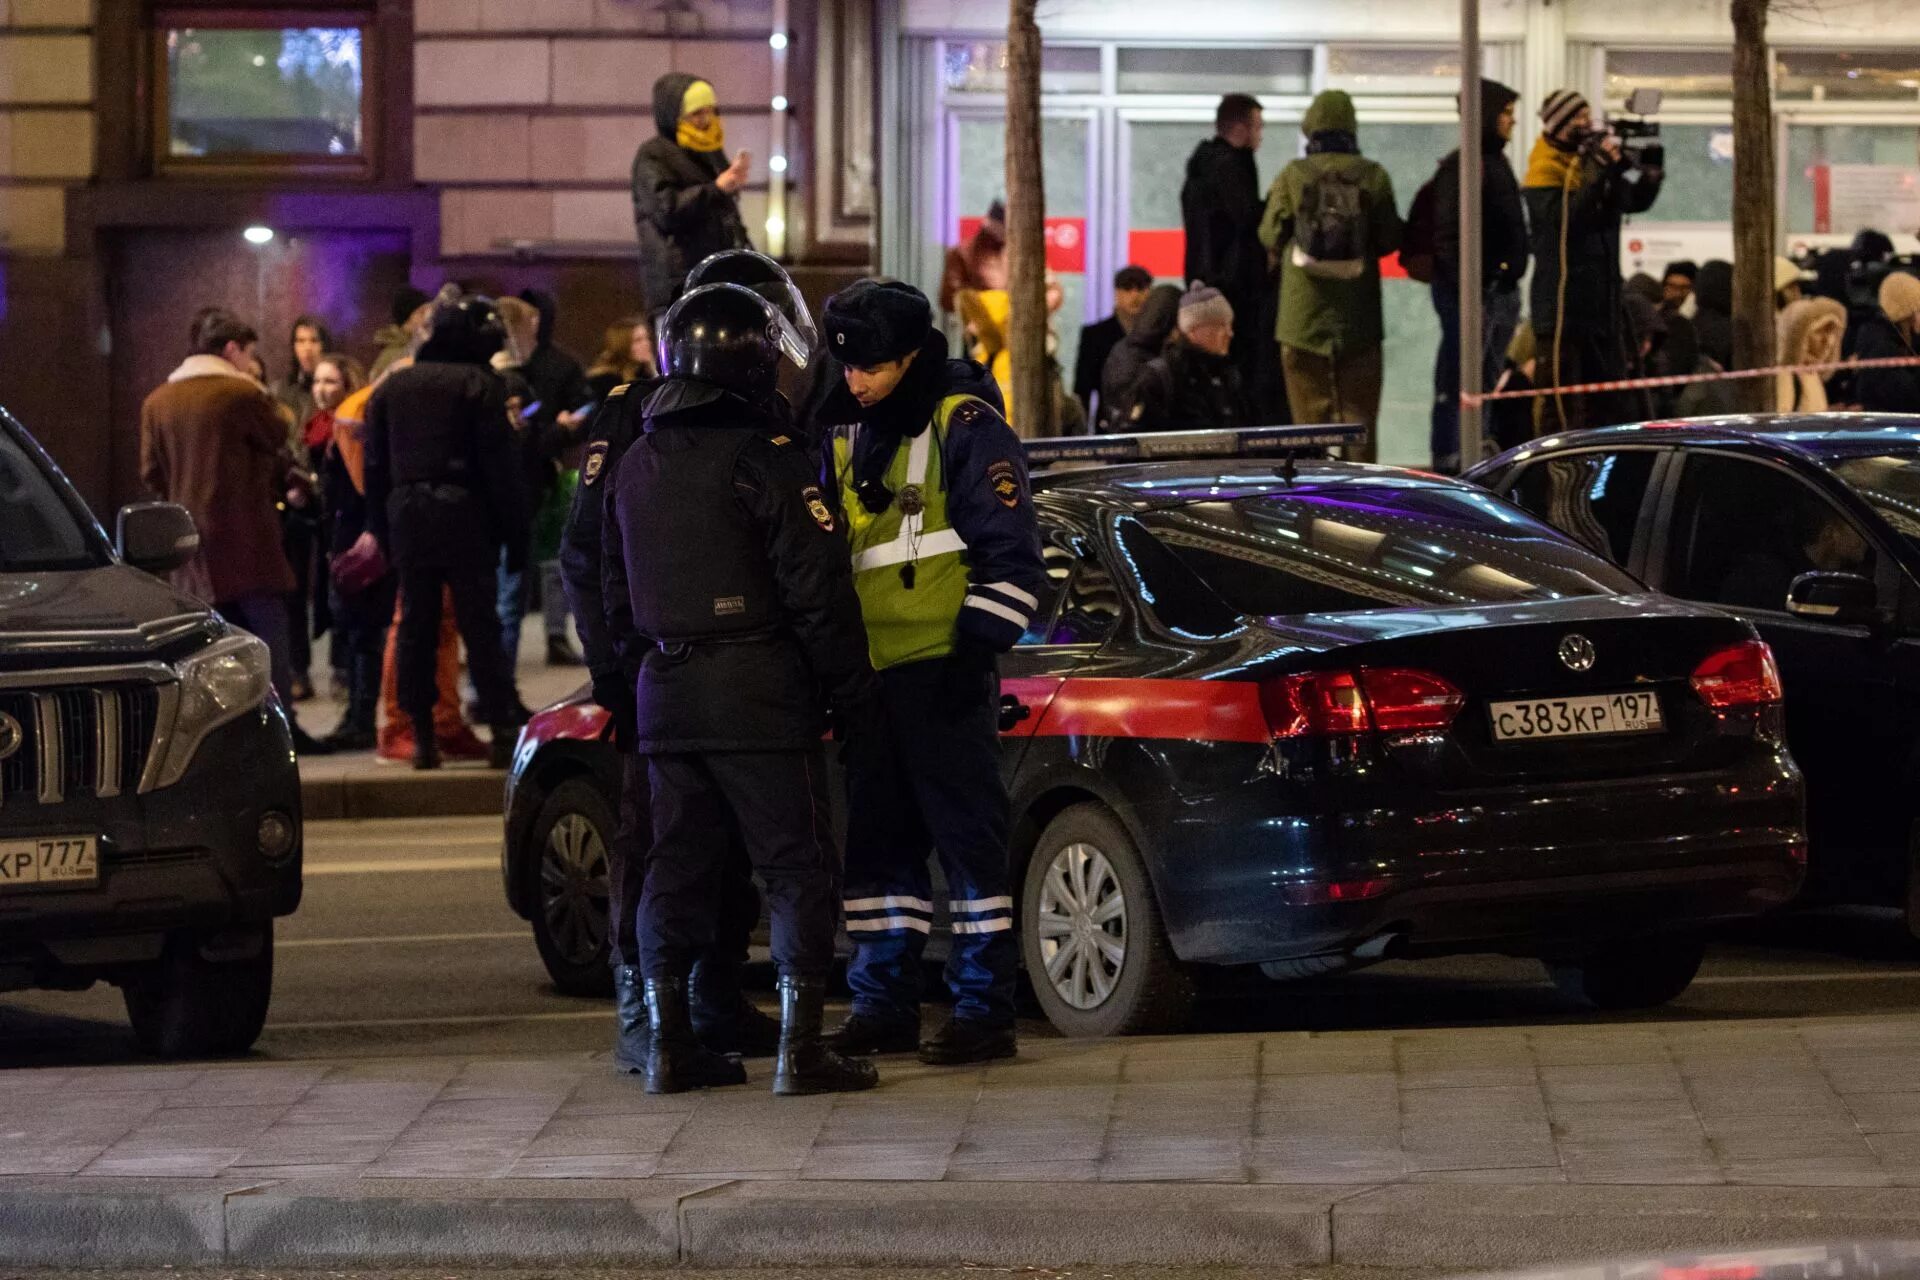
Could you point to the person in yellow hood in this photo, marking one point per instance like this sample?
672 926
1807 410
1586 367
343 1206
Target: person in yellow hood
685 190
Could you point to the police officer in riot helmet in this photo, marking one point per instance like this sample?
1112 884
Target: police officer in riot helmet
765 277
730 592
444 494
723 1018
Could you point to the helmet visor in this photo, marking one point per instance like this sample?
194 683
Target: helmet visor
785 295
795 345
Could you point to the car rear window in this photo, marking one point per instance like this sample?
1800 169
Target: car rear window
1890 482
1339 550
40 531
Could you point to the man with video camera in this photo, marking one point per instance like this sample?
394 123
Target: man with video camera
1581 180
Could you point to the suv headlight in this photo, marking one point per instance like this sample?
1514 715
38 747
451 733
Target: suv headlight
218 685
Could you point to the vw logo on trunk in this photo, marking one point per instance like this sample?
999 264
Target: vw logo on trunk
1577 652
11 736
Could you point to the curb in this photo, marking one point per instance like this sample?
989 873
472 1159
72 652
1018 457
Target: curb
446 793
718 1221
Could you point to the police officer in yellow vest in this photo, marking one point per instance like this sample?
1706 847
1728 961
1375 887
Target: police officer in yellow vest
946 558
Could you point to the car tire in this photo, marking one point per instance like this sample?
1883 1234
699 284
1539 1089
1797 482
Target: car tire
1641 974
184 1005
1086 867
568 870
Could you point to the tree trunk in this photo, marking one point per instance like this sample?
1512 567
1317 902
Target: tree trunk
1754 241
1031 409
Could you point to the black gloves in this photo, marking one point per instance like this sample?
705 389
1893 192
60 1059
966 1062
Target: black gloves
615 692
967 681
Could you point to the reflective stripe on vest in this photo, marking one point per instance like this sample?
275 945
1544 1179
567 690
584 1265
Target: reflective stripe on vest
906 624
911 543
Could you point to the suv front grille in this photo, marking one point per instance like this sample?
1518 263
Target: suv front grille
75 741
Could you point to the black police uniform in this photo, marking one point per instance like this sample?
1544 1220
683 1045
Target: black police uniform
730 590
717 1004
444 494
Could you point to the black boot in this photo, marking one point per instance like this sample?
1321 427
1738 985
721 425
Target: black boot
426 748
865 1033
805 1064
724 1019
358 725
631 1030
305 744
500 746
676 1060
964 1040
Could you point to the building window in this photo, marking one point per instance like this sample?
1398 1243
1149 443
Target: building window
246 93
1677 73
1209 73
1843 75
1393 71
981 67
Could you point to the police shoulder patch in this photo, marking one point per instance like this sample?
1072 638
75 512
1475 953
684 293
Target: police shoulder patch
782 440
619 390
817 505
970 411
594 463
1005 483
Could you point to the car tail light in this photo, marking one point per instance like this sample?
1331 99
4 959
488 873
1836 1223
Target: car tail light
1403 700
1328 703
1740 675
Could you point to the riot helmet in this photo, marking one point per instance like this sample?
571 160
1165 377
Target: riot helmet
731 337
765 277
463 329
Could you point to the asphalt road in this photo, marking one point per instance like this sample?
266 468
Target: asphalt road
404 945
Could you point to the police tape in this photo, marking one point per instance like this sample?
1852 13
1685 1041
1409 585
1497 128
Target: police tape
1471 399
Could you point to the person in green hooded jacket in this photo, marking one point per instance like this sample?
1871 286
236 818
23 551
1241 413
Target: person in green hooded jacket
1330 218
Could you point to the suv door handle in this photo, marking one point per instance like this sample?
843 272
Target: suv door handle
1012 712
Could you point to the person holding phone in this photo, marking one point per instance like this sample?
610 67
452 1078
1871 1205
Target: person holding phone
685 189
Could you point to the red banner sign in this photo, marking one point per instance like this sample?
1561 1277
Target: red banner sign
1066 242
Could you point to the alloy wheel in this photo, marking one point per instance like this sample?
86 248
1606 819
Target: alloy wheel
573 888
1082 925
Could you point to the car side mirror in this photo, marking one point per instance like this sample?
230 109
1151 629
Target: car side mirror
156 536
1844 598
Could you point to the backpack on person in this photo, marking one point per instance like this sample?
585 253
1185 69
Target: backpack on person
1330 229
1418 242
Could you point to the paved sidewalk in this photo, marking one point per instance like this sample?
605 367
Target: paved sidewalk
1302 1147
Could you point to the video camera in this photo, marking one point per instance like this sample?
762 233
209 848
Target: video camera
1639 136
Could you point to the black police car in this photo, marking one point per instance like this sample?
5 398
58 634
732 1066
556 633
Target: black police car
149 801
1808 527
1305 717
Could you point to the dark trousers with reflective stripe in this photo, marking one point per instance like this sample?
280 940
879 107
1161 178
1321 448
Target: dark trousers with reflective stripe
777 801
738 910
929 785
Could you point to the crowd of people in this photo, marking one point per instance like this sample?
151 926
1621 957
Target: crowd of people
314 495
1279 317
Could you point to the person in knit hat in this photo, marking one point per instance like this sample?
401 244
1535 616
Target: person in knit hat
1894 332
1579 184
1195 385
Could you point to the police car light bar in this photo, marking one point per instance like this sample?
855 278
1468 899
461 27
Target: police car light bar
1168 446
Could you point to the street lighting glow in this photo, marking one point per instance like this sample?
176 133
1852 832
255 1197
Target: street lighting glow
258 235
777 163
780 102
778 39
776 225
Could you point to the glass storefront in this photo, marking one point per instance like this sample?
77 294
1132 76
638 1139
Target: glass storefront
1121 120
